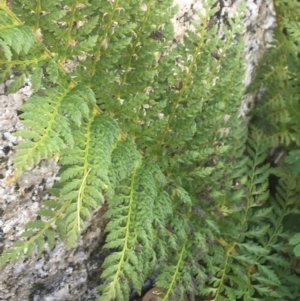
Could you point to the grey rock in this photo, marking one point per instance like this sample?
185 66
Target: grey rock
61 274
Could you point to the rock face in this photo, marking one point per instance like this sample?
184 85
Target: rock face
62 274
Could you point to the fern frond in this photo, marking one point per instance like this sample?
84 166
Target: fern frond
152 128
14 36
88 168
49 121
84 175
17 41
125 158
37 233
230 278
278 76
245 269
131 234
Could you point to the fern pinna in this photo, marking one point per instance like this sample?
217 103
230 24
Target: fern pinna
151 128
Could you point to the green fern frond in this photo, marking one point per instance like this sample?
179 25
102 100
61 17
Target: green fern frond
245 269
236 255
14 36
84 175
78 197
17 41
48 119
152 128
278 76
131 234
37 233
125 158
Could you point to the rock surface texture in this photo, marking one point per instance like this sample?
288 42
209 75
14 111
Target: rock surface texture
65 275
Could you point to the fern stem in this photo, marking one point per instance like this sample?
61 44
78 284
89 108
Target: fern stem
8 11
80 197
184 86
47 225
86 170
37 11
102 38
127 231
70 27
137 40
222 279
176 272
12 63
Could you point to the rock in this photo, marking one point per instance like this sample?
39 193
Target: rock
61 274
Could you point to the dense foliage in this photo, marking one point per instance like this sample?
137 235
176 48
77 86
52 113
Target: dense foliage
151 127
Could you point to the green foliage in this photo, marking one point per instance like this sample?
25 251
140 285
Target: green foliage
153 130
295 240
279 77
279 104
293 160
251 264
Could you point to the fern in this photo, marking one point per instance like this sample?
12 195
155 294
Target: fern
152 128
48 128
131 234
252 264
280 79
